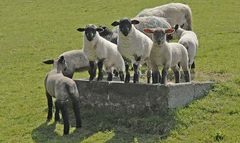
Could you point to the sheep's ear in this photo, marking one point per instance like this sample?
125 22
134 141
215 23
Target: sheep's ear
176 27
103 27
81 29
61 59
169 31
182 25
147 30
100 29
48 61
135 22
115 23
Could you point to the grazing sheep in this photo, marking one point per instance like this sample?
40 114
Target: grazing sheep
98 48
168 55
134 45
62 88
190 41
175 13
77 62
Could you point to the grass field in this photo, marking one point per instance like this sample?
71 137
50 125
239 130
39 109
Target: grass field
34 30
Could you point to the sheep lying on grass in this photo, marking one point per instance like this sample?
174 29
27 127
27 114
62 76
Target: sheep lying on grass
77 62
189 40
98 48
62 88
134 45
175 13
168 55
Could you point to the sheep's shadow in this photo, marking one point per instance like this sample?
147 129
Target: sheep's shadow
146 127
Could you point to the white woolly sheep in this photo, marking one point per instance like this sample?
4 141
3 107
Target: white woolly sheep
98 48
175 13
133 45
62 88
168 55
190 41
77 62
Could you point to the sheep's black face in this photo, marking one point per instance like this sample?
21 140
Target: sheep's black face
125 26
61 64
90 33
106 31
159 36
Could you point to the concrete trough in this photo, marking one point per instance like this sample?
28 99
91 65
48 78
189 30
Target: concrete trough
130 98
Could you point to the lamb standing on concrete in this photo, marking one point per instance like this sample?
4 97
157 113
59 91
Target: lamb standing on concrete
175 13
98 48
168 55
63 89
77 62
189 40
133 45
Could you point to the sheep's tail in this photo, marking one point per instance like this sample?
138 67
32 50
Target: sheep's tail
188 17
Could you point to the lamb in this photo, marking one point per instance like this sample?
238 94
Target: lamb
175 13
98 48
190 41
168 55
77 62
62 88
144 22
133 45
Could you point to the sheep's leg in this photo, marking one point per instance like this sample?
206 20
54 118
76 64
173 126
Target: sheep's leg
193 65
76 109
115 72
187 76
164 76
136 73
62 106
110 76
149 73
127 78
100 71
121 75
50 106
57 117
155 76
92 70
176 74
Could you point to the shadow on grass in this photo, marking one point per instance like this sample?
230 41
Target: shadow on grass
104 126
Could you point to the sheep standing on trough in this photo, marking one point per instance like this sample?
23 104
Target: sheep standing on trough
175 13
134 45
62 88
77 62
98 48
190 41
168 55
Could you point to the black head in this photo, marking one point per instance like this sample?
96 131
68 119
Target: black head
61 64
125 25
90 31
105 32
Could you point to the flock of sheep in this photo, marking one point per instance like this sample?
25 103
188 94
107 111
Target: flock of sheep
142 40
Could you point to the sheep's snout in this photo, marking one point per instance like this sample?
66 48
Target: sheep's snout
89 36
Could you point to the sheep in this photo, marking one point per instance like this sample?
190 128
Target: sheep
144 22
62 88
133 45
77 62
190 41
98 48
168 55
175 13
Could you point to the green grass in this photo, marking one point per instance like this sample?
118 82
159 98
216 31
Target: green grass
33 30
